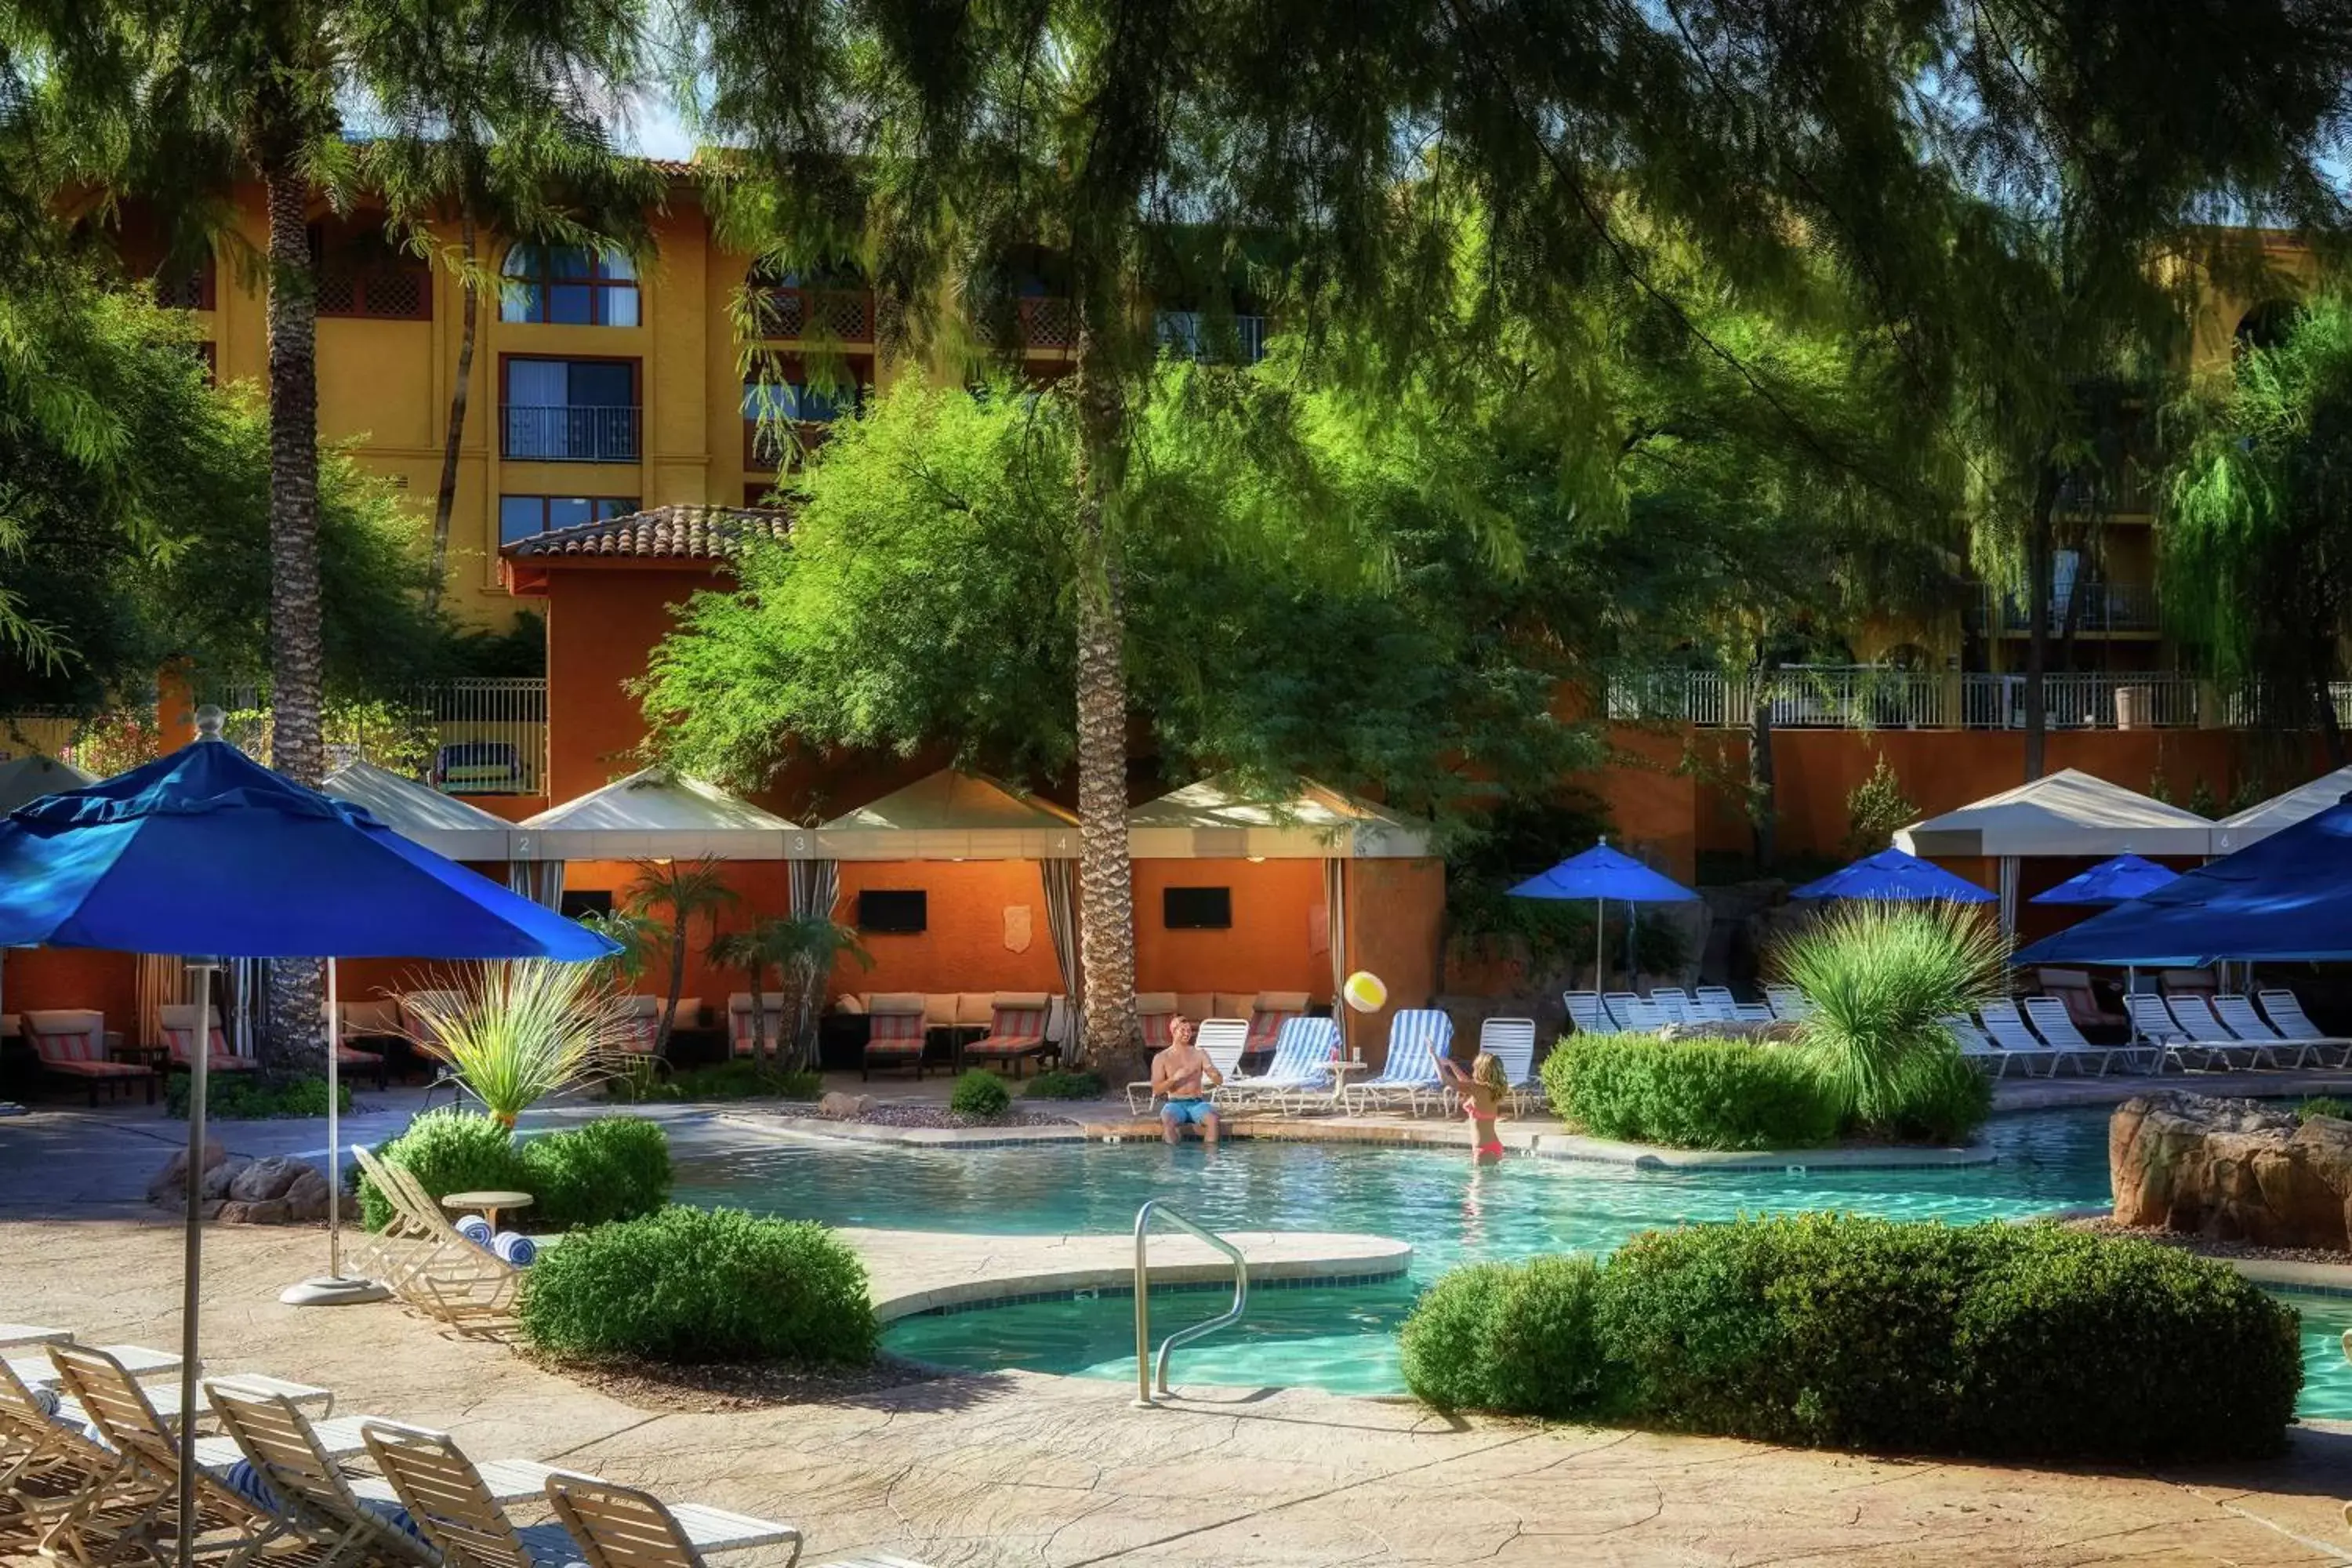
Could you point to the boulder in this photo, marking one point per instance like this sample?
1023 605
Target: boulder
2232 1170
170 1187
265 1179
840 1107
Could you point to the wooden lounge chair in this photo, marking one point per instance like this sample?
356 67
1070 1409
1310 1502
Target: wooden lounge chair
621 1527
178 1022
434 1269
896 1033
71 1044
1016 1029
346 1520
1417 1037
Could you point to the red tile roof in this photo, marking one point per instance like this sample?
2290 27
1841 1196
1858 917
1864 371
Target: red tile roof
681 533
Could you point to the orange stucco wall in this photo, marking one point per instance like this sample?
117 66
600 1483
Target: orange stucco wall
1396 928
1269 946
962 948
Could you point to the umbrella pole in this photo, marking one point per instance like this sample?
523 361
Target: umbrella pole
331 1289
191 1261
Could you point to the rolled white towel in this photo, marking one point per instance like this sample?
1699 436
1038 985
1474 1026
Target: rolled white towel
515 1248
476 1229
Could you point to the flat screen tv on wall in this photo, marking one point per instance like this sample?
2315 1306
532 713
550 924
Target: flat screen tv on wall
893 913
1197 909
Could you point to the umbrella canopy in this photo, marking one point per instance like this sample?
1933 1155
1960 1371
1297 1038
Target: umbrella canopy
29 777
1601 872
2287 898
1892 875
206 852
2110 883
2259 822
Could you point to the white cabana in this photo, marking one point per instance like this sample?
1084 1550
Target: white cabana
654 814
29 777
1217 819
2068 814
951 816
423 814
2257 823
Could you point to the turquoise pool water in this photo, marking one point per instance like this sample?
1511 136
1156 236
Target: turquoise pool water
1344 1338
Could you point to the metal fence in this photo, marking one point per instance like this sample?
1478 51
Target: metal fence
1868 697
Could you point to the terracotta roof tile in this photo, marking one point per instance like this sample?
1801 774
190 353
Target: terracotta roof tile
681 532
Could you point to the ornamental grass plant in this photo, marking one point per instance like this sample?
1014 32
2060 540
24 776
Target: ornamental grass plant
1880 977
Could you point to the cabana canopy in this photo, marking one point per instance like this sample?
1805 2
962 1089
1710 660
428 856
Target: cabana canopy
2257 823
1217 819
2286 899
654 814
2069 813
951 816
421 813
31 776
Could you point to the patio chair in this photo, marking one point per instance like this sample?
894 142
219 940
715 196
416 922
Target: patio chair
1976 1045
1512 1042
2195 1014
621 1527
1788 1002
436 1270
1417 1037
746 1025
1268 1013
2050 1020
2238 1014
1301 1072
2287 1016
344 1518
1222 1039
896 1033
1585 1013
2154 1022
71 1043
1016 1029
2006 1027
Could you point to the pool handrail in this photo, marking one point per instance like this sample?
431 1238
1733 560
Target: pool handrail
1191 1331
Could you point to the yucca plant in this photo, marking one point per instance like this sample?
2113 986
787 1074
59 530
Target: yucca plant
1881 976
521 1031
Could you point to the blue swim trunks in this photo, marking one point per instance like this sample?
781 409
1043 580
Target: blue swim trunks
1186 1113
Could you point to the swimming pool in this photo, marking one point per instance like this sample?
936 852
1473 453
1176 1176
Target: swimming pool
1345 1339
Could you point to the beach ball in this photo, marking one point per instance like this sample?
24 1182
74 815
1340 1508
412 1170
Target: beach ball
1364 992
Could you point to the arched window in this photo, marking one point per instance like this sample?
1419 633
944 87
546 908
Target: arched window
567 284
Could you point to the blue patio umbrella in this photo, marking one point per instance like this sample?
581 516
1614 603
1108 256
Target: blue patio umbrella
1892 874
206 853
1601 874
2109 883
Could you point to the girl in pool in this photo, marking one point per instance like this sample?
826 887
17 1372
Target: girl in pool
1483 1088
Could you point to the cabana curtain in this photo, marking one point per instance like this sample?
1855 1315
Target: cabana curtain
1335 899
1061 880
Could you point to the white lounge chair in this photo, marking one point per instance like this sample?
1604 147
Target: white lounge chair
2153 1022
2195 1016
1512 1042
2238 1014
1788 1002
2006 1027
1417 1037
1586 1013
1302 1071
1976 1045
2286 1015
2050 1020
1224 1040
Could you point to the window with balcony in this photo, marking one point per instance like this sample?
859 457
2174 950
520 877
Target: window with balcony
522 516
567 284
568 410
361 272
833 303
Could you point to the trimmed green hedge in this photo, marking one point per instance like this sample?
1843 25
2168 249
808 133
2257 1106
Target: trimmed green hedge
701 1284
1690 1094
1841 1331
613 1168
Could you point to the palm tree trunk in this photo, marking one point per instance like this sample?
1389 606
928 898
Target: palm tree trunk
2038 554
296 1039
1106 887
445 502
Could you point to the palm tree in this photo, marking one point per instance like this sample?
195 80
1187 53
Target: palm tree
685 892
179 105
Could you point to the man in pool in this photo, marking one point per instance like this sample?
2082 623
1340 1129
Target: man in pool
1182 1076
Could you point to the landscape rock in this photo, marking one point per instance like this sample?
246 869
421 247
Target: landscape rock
2232 1170
170 1186
840 1107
